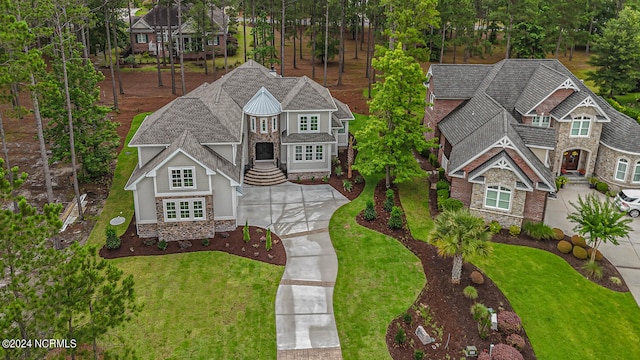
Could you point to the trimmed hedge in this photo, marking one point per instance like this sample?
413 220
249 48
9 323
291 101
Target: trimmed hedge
564 247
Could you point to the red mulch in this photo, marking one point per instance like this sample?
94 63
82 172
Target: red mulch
357 182
132 245
448 308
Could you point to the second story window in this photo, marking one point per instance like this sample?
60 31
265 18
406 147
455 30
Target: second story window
253 124
621 170
580 126
274 124
142 38
541 120
308 123
182 178
263 125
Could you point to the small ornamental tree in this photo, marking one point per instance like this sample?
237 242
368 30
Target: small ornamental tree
370 211
269 243
245 232
598 221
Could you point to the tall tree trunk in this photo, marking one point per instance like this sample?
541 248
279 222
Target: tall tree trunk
117 56
295 33
213 48
357 39
85 45
456 271
204 39
313 42
362 25
162 45
301 36
172 61
5 150
508 50
282 30
586 50
370 71
225 25
326 42
392 37
244 28
444 32
130 27
558 43
113 77
342 25
43 148
155 28
181 47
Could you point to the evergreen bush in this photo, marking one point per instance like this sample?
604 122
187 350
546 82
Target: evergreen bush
370 211
395 221
113 241
389 202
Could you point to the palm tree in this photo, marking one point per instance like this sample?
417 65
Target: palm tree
460 235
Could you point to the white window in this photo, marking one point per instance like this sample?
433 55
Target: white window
541 120
274 123
636 173
253 124
263 125
497 197
580 126
141 38
213 41
184 209
621 170
308 123
182 177
164 36
309 153
432 100
343 129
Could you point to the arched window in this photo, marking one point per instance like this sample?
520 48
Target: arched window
636 173
497 197
621 170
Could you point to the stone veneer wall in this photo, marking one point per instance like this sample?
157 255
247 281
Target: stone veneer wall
258 137
607 164
185 230
225 225
505 178
147 230
307 175
564 142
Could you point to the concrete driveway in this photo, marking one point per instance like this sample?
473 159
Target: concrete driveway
625 256
300 214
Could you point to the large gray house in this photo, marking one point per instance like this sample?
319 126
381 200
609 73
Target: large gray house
507 130
251 126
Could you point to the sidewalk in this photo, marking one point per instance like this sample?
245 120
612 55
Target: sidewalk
625 256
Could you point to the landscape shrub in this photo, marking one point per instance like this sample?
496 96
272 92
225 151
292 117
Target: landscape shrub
482 316
537 230
347 185
598 254
406 317
578 240
450 204
162 245
593 269
505 352
205 242
615 280
389 202
470 292
269 243
401 336
338 171
495 227
433 160
602 187
509 322
395 221
579 252
514 230
418 355
442 185
358 179
370 211
476 277
113 241
441 173
150 241
442 194
558 234
245 232
516 341
564 246
484 356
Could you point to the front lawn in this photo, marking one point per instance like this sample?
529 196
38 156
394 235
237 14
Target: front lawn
414 196
195 305
565 315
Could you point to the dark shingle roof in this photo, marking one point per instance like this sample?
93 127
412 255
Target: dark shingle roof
622 133
308 138
542 83
461 81
536 136
467 119
308 95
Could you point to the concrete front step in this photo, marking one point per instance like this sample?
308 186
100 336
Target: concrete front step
266 176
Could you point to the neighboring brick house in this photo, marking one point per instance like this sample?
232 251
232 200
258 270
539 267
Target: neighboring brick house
195 153
507 130
151 31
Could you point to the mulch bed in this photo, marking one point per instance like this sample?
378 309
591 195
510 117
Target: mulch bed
357 181
230 242
449 310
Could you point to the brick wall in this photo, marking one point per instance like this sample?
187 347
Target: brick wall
514 156
552 101
185 230
461 189
535 205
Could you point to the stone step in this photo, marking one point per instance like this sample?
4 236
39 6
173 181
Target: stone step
264 176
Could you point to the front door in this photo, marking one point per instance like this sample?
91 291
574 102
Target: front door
264 151
570 159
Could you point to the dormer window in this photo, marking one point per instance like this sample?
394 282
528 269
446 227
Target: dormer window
541 120
580 126
182 177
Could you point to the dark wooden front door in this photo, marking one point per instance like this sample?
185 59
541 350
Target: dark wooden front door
264 151
570 160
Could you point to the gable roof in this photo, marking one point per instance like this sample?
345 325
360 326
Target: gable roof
502 160
189 145
536 136
462 80
543 82
307 94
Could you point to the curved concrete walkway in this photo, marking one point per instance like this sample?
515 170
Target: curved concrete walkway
300 214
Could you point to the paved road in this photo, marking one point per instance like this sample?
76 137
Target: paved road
625 256
300 214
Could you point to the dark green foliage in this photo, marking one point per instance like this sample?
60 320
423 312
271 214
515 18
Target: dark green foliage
538 230
495 227
206 242
627 110
162 245
245 232
442 193
358 179
370 211
441 174
433 160
347 185
338 171
401 336
406 317
418 355
450 204
602 187
265 52
482 316
395 221
529 41
113 241
389 202
442 184
269 243
514 230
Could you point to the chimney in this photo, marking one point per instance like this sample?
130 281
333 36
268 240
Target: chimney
273 71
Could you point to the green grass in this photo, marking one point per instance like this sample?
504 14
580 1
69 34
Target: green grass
377 281
630 99
565 315
202 305
205 305
414 196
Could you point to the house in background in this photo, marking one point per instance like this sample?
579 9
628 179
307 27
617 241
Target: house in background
249 127
507 130
151 32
